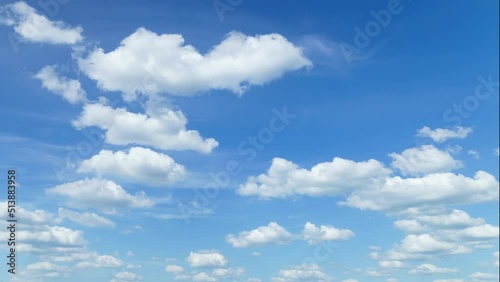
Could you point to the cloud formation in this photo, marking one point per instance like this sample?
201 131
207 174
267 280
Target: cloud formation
69 89
36 28
165 129
136 164
148 63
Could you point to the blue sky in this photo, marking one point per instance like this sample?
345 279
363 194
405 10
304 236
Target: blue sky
252 140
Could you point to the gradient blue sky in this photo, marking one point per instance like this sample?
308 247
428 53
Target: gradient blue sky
117 116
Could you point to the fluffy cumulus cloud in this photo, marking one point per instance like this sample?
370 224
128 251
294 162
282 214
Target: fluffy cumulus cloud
340 176
433 189
206 259
85 219
427 268
36 217
165 129
146 62
421 246
452 220
423 160
441 135
126 276
101 194
273 233
172 268
100 261
438 232
55 235
136 164
313 234
33 27
69 89
304 272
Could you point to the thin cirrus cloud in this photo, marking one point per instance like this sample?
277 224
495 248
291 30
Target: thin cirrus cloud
423 160
440 135
165 129
69 89
36 28
148 63
101 194
286 179
136 164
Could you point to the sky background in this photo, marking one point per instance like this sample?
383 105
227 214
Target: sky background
251 140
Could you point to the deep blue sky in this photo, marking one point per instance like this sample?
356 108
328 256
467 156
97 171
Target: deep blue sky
428 60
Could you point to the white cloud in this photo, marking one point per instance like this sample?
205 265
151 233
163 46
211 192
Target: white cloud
53 235
481 276
314 235
423 160
440 135
350 280
483 232
45 266
165 129
448 280
285 179
394 264
224 273
174 268
427 268
273 233
497 152
425 243
69 89
139 164
203 277
126 276
206 259
101 194
420 246
34 27
304 272
438 189
37 217
496 262
453 219
85 219
446 219
100 261
474 154
146 62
